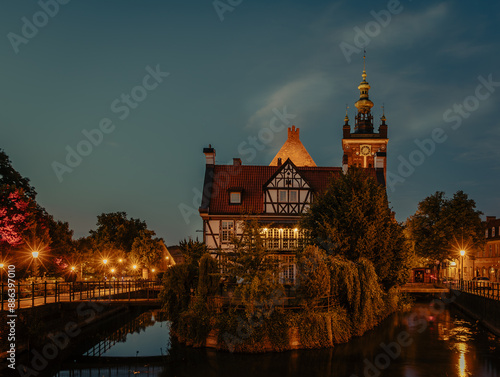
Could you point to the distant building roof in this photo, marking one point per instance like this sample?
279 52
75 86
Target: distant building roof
294 150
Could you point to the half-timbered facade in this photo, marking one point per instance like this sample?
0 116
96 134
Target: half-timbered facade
279 193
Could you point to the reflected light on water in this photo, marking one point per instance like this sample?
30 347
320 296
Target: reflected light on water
462 366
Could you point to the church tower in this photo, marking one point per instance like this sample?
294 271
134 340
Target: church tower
364 147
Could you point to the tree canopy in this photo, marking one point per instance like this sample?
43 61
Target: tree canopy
352 219
441 227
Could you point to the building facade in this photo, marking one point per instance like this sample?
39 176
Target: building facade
487 262
279 193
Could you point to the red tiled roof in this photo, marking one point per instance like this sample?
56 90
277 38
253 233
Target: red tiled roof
250 179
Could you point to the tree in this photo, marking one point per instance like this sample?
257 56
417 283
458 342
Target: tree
313 276
209 277
148 250
441 227
352 219
115 232
11 177
254 269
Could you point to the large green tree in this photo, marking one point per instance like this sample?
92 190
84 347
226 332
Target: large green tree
442 227
116 233
147 249
352 219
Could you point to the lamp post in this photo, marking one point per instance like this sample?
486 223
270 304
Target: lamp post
105 262
462 253
34 254
135 271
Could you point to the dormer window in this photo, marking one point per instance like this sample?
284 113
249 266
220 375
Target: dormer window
235 197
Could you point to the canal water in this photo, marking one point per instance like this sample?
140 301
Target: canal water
430 340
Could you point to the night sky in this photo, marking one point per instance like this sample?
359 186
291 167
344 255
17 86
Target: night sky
163 79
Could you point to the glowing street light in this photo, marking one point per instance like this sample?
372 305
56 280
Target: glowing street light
35 254
462 253
105 261
1 271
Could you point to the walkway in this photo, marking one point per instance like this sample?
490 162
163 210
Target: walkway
30 295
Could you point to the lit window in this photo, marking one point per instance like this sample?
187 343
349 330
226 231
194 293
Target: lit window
486 234
235 197
282 196
227 229
293 196
493 232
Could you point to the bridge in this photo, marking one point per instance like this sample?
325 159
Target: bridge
423 288
31 295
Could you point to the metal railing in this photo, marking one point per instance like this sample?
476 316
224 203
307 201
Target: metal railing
32 294
482 288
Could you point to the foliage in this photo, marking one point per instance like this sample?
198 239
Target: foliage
192 251
11 177
116 232
441 227
352 219
313 276
146 249
176 291
209 276
18 212
357 290
255 270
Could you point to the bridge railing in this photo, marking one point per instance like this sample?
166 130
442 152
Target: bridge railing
34 294
483 288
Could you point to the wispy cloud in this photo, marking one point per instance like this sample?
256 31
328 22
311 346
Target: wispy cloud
299 96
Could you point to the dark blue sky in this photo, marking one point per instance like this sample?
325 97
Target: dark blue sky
228 75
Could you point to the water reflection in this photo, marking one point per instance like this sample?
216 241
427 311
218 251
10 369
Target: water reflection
146 335
424 342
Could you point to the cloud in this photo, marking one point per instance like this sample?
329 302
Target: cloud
298 96
401 29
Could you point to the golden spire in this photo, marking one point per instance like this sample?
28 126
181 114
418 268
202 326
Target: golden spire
346 119
364 104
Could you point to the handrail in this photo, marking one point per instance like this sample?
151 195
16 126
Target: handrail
33 294
484 288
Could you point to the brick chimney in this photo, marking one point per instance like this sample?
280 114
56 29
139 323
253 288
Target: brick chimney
236 161
209 154
293 133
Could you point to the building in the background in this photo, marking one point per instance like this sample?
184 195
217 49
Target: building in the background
279 193
487 262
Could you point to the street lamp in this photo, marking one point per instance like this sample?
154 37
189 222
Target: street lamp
462 253
1 272
34 254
